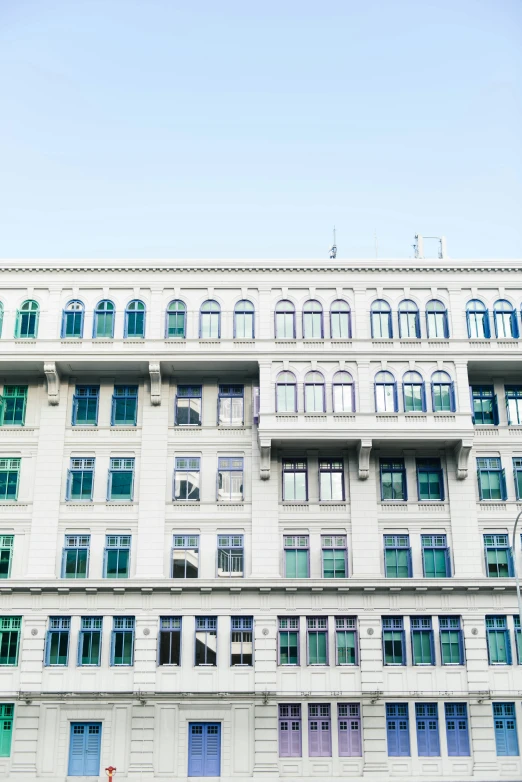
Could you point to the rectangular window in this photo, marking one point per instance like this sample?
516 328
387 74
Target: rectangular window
206 640
435 556
317 628
296 556
10 627
124 406
397 556
13 403
393 479
499 556
80 479
122 641
334 556
85 406
170 640
6 555
518 639
57 644
241 640
290 730
497 635
9 478
457 730
427 720
393 640
6 728
422 641
75 556
350 734
188 406
517 473
186 479
117 556
484 406
430 481
451 640
505 722
319 730
121 479
289 640
514 405
231 406
295 485
398 730
230 556
331 482
491 478
84 749
185 556
345 640
230 479
89 644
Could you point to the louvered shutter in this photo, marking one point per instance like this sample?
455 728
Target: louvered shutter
501 737
392 733
295 739
212 750
355 734
76 750
196 746
92 750
422 737
325 738
404 737
314 740
284 738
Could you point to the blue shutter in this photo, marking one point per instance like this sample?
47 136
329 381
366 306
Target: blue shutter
503 488
213 750
204 749
467 321
84 749
453 405
423 396
76 750
404 737
92 750
422 737
392 730
395 399
448 562
514 325
485 320
495 410
390 325
506 736
511 568
446 324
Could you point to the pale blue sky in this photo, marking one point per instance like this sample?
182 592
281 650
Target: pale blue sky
236 129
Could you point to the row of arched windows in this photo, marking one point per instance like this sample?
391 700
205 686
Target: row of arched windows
505 319
386 394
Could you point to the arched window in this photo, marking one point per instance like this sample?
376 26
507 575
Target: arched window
210 320
285 320
72 320
135 319
478 320
244 313
409 322
343 393
27 320
314 393
385 393
442 393
413 393
1 317
176 324
340 320
286 393
381 320
312 320
436 319
505 316
103 327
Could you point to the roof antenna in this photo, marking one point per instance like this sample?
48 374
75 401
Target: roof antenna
333 248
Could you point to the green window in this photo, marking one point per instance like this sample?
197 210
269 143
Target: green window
413 393
435 556
393 641
499 557
117 556
57 647
345 640
122 646
85 406
124 406
296 556
89 649
27 320
317 640
499 648
6 555
429 479
397 556
6 728
12 406
334 556
451 643
80 479
289 640
517 472
104 320
9 478
484 405
176 318
121 479
393 480
422 640
518 639
491 478
10 627
75 558
514 405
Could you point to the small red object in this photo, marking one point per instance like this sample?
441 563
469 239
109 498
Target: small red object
110 771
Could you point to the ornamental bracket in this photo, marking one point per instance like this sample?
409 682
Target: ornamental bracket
462 451
364 448
155 382
53 382
264 466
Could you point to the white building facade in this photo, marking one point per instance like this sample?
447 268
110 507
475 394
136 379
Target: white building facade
255 519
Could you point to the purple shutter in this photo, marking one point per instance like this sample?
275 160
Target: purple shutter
314 741
284 739
422 737
355 734
326 738
295 738
392 734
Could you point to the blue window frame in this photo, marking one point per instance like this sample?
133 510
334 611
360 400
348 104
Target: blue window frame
430 480
27 317
84 749
72 320
397 556
121 479
398 730
436 320
484 408
286 393
135 320
517 474
312 320
413 393
451 640
187 478
206 641
505 724
435 556
381 320
497 637
295 480
393 479
314 393
122 640
204 751
230 479
57 641
75 556
505 317
124 410
409 320
457 729
499 556
116 561
297 556
241 640
188 406
231 405
514 405
491 478
427 722
393 640
9 478
385 391
230 556
85 406
284 317
176 320
80 479
103 325
185 556
169 652
6 727
343 393
90 640
478 320
518 639
244 320
210 320
340 320
422 644
442 393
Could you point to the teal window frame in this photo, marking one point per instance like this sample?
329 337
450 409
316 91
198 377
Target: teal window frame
6 555
6 727
288 646
121 469
435 556
75 556
10 636
13 404
122 641
57 641
116 559
27 319
346 640
9 478
498 642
